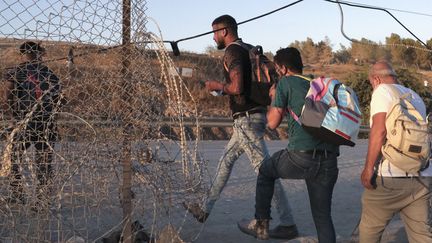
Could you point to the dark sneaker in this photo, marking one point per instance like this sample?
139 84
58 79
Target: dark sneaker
284 232
256 228
196 211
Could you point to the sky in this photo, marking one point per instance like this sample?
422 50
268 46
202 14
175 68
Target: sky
316 19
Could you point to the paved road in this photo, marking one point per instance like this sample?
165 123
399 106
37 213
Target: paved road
237 200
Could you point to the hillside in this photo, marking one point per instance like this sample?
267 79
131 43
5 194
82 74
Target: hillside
347 73
83 86
202 67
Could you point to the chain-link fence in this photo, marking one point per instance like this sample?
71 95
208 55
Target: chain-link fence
85 93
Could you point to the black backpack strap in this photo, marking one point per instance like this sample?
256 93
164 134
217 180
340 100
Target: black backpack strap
335 92
240 43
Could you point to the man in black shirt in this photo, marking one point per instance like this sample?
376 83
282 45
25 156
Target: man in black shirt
249 125
32 93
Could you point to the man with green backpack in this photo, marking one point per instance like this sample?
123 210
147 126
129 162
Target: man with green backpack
397 175
305 157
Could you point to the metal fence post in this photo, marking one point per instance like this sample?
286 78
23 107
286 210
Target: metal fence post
126 158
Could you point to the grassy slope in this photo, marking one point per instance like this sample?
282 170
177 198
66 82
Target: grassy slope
204 68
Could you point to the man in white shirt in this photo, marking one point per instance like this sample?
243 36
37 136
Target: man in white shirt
392 190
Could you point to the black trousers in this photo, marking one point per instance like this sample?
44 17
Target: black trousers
42 135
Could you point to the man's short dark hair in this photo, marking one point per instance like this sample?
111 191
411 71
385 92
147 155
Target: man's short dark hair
30 47
228 21
289 57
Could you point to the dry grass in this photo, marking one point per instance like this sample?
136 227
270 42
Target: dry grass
338 71
99 64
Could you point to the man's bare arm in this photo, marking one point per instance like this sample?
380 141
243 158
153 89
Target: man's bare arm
233 88
274 117
377 137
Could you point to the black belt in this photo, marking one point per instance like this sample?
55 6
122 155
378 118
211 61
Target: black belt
246 113
315 151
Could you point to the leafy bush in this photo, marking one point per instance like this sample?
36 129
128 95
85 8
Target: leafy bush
359 82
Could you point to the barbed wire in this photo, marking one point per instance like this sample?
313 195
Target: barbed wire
107 121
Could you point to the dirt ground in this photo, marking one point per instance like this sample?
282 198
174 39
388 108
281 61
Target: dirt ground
237 201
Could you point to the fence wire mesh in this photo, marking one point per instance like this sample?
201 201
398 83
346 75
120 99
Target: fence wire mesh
85 152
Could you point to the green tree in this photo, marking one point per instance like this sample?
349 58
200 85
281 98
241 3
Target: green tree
409 54
429 58
382 53
424 57
359 82
393 42
343 55
309 51
364 51
414 81
325 53
296 44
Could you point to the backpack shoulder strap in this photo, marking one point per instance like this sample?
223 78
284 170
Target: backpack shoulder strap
225 66
238 42
394 91
397 93
303 77
235 43
294 116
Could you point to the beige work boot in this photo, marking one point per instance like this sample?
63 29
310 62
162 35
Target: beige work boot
258 228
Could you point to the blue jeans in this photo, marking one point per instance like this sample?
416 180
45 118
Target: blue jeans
248 136
320 173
